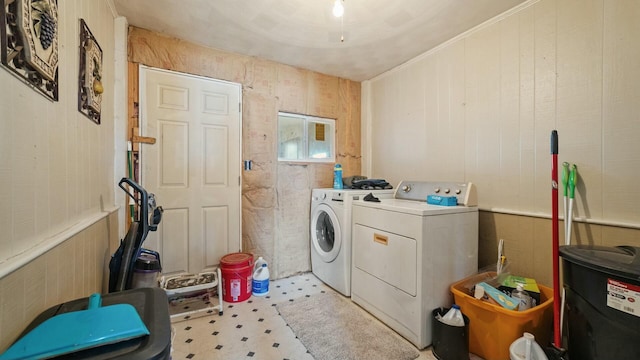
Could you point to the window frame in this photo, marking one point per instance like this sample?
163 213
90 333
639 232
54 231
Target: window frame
306 121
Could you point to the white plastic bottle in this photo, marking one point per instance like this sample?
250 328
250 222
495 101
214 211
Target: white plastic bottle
526 348
523 297
258 264
453 317
260 282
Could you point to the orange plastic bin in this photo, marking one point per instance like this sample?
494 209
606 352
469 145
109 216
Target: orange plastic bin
493 328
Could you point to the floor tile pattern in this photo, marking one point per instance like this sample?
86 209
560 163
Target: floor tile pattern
251 329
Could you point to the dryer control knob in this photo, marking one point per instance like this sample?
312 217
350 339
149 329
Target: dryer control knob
436 190
406 188
446 191
458 191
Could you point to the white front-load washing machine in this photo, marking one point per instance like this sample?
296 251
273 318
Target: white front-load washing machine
331 234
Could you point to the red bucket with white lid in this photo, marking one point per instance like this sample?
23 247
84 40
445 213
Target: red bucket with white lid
237 273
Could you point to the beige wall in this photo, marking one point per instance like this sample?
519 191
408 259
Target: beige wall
528 241
72 270
481 108
275 196
56 181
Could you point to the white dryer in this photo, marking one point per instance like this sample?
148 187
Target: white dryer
410 252
330 234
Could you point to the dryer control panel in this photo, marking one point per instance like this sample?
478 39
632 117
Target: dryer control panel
466 193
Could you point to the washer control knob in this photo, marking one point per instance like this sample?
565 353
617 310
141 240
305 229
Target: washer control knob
406 188
323 196
458 191
446 191
436 190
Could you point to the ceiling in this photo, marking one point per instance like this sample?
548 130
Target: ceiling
378 34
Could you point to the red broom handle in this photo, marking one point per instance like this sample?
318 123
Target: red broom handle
556 239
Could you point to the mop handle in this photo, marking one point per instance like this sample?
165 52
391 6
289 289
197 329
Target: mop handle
565 178
573 180
556 237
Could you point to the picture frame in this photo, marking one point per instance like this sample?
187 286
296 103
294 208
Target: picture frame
90 87
29 43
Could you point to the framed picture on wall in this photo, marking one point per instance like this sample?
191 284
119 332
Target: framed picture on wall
90 77
29 41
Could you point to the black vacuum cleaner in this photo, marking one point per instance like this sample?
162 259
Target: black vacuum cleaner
121 266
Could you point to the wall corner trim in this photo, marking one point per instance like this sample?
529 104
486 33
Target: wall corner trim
49 241
112 7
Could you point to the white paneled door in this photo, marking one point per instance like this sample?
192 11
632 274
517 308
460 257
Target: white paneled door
193 168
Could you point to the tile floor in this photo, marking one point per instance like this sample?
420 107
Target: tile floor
251 329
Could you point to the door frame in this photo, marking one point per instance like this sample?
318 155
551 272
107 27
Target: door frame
142 96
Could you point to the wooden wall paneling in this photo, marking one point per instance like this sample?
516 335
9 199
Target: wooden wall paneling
614 236
471 96
410 125
482 58
545 120
526 115
43 168
52 261
23 174
12 307
541 255
3 295
6 173
67 271
34 289
71 167
579 97
451 113
545 101
508 113
385 109
519 242
621 106
435 136
57 170
58 158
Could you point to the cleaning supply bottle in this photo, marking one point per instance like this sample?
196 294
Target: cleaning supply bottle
522 296
258 263
260 282
526 348
453 317
337 176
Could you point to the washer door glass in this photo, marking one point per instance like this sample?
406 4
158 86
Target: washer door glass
325 233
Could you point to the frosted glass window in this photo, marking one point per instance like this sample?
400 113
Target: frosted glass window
305 138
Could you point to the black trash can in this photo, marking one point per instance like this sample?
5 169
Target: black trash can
602 302
449 342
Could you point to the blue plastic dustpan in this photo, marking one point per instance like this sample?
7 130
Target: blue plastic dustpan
79 330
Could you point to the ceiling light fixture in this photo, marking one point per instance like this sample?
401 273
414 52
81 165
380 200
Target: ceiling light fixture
338 8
